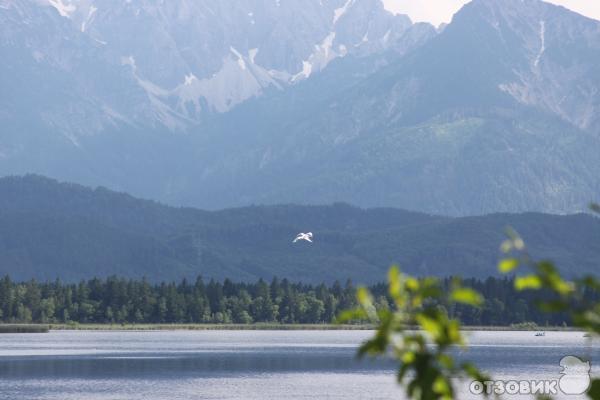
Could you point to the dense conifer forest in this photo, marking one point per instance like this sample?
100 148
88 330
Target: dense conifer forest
117 300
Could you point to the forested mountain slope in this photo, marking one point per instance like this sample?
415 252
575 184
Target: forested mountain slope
50 229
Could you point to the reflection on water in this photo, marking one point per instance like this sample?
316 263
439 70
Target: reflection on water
244 364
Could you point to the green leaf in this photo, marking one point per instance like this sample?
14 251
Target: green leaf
351 315
466 296
594 390
408 357
429 325
364 297
528 282
395 283
412 284
507 265
441 385
454 335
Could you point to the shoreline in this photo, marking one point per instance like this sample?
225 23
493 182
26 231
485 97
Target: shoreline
207 327
44 328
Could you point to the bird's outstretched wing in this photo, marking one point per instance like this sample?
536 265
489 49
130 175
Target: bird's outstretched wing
295 240
308 239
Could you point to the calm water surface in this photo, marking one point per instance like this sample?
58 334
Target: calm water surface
246 364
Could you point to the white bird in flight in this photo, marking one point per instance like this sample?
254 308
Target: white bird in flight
304 236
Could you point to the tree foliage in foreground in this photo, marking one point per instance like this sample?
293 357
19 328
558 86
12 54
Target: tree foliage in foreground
427 371
565 296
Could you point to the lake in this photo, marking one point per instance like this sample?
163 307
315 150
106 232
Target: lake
175 365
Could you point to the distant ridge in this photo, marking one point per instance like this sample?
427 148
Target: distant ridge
54 230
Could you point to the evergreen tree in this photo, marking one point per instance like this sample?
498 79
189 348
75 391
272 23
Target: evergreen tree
115 300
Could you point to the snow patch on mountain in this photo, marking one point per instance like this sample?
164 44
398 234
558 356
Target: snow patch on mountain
338 12
65 10
304 73
222 91
386 37
543 43
89 18
321 56
189 79
238 80
252 54
240 59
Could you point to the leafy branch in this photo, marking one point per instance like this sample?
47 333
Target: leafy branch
565 295
418 332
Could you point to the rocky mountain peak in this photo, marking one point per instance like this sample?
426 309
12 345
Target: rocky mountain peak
551 55
189 58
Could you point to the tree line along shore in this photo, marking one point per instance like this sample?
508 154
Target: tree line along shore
45 328
116 303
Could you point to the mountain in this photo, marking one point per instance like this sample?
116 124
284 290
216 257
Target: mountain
166 65
50 229
234 103
477 120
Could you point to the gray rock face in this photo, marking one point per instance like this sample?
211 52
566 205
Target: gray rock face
227 103
559 66
178 60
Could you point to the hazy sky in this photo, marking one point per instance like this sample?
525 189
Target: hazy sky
438 11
